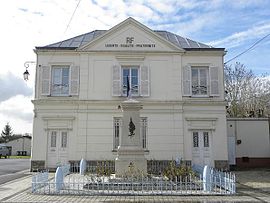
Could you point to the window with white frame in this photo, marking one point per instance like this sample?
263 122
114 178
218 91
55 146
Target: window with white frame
195 139
117 132
199 81
63 139
53 138
130 74
205 139
60 81
137 77
144 132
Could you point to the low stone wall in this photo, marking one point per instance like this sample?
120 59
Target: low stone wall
108 166
101 166
37 165
222 165
247 162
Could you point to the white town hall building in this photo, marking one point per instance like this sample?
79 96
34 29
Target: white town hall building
81 82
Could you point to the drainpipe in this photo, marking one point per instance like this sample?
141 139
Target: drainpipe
269 126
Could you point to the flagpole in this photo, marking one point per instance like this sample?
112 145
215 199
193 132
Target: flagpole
128 88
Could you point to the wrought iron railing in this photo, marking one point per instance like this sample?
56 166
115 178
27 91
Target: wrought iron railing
207 181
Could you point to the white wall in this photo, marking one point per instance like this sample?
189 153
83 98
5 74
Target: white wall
96 73
21 144
253 134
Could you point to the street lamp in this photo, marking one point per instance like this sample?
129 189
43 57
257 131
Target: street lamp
26 73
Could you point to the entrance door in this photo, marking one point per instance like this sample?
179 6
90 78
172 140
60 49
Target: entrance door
57 148
201 153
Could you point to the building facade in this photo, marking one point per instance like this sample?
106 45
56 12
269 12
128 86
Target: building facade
80 83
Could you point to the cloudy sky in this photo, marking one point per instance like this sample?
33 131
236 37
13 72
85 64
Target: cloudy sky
24 24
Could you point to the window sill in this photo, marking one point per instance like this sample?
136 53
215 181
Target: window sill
59 95
200 96
146 151
131 96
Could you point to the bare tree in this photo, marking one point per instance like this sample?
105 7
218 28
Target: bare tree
247 95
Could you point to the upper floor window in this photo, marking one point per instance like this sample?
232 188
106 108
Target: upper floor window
60 81
137 76
200 81
130 75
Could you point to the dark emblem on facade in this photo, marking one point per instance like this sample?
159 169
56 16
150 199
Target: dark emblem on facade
131 128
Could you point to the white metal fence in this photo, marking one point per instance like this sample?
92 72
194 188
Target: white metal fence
40 180
217 178
151 185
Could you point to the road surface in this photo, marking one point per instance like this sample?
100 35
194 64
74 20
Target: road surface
11 169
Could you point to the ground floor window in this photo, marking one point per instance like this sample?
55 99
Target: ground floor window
63 139
117 132
144 132
53 138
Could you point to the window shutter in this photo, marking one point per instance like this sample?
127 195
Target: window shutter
45 80
145 84
186 81
74 80
214 82
116 81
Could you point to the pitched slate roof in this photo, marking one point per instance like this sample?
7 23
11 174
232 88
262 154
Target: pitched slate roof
84 39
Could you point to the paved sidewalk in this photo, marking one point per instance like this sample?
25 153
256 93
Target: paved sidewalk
254 186
15 186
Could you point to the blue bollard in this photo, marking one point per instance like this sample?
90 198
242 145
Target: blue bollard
178 161
207 180
59 179
82 166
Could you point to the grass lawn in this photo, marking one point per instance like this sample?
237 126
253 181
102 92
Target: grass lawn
19 157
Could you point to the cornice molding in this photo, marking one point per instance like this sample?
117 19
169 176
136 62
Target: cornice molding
201 119
76 101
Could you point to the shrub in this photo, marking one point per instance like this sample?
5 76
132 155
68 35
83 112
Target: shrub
174 172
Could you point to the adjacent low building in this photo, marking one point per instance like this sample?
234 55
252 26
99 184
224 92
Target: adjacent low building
20 146
249 142
81 82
